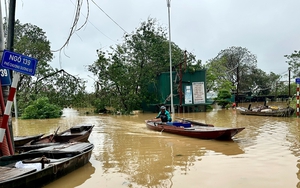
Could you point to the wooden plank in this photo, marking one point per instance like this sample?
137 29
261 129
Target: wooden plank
8 173
68 147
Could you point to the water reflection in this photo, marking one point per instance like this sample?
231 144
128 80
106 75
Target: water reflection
293 141
129 148
77 177
157 157
127 154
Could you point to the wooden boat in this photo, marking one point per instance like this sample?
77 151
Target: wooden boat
267 111
78 133
37 168
21 140
195 131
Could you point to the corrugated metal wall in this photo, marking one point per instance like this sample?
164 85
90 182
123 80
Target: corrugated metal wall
187 80
162 89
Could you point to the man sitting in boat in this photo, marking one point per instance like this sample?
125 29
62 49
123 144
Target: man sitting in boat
164 115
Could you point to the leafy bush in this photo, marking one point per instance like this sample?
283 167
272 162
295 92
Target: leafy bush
99 106
41 109
223 98
209 108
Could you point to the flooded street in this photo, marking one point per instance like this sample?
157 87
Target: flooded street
127 154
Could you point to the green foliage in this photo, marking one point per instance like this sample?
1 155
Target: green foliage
293 61
235 69
231 64
223 98
99 106
41 109
282 88
209 108
60 87
124 75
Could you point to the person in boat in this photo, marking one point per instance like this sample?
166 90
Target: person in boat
164 115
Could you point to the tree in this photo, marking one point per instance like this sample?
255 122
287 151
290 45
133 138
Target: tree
125 74
293 61
41 109
216 76
223 98
259 82
30 40
232 64
60 87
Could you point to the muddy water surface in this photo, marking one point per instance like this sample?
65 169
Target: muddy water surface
127 154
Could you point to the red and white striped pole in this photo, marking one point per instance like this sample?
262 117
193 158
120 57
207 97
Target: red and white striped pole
3 138
12 91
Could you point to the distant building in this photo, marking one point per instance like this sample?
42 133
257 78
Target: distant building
189 94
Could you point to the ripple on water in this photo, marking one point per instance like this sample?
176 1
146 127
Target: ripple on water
264 154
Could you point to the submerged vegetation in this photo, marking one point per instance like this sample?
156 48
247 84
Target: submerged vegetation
41 109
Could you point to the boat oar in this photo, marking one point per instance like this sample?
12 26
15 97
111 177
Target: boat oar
196 123
55 133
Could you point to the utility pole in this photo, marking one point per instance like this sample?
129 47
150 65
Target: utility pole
11 25
170 52
289 82
10 47
237 86
180 83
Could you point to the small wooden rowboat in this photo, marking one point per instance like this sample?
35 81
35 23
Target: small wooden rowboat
267 111
78 133
194 131
21 140
39 167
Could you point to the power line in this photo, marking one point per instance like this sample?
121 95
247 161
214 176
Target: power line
76 19
109 16
74 28
101 31
95 26
75 22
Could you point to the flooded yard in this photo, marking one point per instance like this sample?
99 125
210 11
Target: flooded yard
126 154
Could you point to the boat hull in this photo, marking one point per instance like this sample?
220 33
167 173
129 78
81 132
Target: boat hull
276 113
21 140
202 132
63 162
80 133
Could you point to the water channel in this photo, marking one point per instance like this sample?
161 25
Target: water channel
126 154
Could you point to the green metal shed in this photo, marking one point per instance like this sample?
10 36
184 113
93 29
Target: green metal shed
193 87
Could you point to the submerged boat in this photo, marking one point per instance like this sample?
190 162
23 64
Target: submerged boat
78 133
21 140
39 167
195 131
267 111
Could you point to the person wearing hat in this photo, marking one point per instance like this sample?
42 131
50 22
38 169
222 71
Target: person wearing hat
164 115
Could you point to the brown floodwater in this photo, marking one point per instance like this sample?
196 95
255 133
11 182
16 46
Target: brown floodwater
127 154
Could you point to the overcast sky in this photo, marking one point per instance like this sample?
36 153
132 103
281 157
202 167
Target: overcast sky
269 29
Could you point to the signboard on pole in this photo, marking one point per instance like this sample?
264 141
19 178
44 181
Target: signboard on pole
19 62
198 92
188 98
297 80
5 76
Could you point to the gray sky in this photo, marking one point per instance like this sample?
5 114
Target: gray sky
269 29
